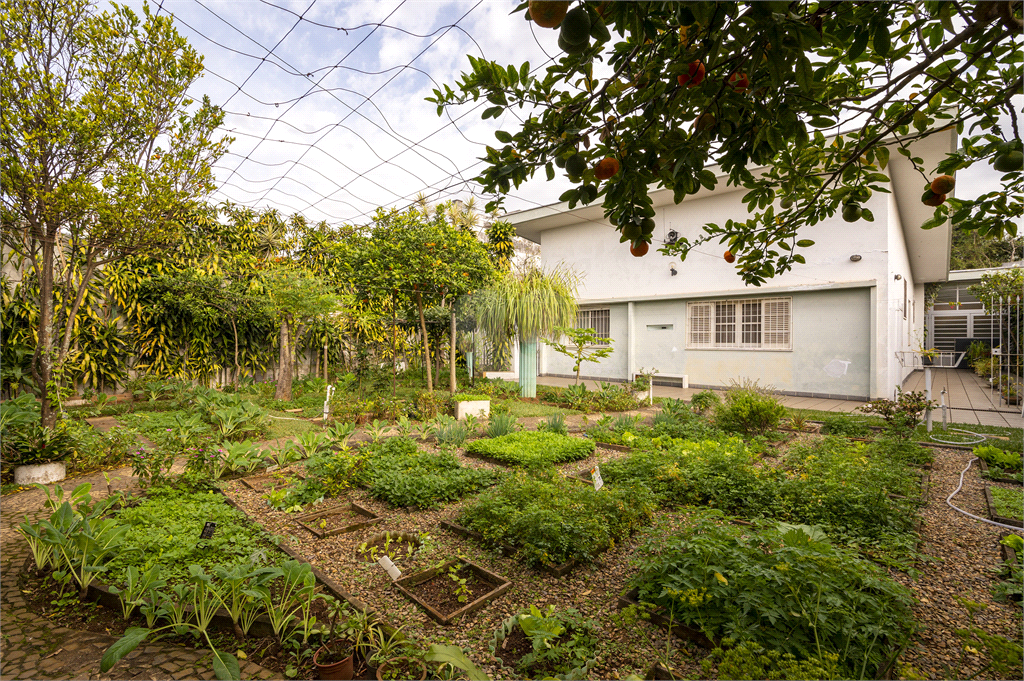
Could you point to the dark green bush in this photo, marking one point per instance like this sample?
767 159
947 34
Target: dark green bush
532 448
749 411
785 588
396 472
550 519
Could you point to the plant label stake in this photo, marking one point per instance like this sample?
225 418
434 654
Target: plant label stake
595 475
389 568
208 529
327 401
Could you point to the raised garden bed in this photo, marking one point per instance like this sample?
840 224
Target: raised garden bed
337 519
264 481
557 571
984 471
435 592
991 505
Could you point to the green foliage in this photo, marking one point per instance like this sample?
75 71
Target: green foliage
564 643
554 424
469 397
750 411
430 403
994 456
451 433
902 414
786 589
748 660
164 530
501 424
1008 502
532 448
398 473
550 519
704 401
845 426
798 74
583 346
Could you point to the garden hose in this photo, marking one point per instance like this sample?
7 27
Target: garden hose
981 438
284 418
971 515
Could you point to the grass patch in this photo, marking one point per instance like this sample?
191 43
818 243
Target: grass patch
532 448
1008 502
287 425
528 409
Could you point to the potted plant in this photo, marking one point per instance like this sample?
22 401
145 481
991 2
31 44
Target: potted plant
36 452
336 657
393 658
471 405
1011 393
402 667
928 355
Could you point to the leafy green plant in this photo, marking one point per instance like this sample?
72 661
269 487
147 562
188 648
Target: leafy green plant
584 346
549 519
450 432
554 424
994 456
312 443
902 414
845 426
336 472
784 588
470 397
577 397
84 542
1008 502
136 586
749 410
532 448
339 433
704 401
501 424
377 429
564 644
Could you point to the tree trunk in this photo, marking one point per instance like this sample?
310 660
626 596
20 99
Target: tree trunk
238 367
451 355
426 344
284 365
43 366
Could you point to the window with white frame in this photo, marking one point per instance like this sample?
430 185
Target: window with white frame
598 320
751 324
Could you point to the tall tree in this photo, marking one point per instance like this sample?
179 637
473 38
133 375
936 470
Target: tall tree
818 91
103 152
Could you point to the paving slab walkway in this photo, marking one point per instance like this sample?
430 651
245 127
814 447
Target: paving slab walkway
33 647
969 397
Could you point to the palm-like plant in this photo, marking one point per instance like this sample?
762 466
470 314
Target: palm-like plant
533 303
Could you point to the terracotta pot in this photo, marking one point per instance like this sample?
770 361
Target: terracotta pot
342 671
382 669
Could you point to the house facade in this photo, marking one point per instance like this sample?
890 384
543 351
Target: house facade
831 328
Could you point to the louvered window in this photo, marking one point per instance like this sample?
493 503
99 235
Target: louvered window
752 324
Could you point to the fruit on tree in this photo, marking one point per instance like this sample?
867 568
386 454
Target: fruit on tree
606 168
729 257
694 75
631 230
559 161
647 226
570 48
548 14
705 122
930 198
576 26
943 184
576 165
639 248
852 212
1009 161
738 81
786 204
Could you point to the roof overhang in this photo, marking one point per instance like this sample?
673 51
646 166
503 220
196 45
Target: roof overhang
928 250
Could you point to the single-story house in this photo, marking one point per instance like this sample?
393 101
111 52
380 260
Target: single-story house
831 328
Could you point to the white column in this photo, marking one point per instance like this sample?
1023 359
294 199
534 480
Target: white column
630 342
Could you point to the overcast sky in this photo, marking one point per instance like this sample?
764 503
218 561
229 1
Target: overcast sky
326 100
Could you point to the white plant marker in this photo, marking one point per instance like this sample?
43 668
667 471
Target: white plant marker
595 475
389 568
327 401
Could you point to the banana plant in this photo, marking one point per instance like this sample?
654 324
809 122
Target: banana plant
83 543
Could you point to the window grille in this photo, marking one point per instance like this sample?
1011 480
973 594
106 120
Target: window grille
764 324
598 320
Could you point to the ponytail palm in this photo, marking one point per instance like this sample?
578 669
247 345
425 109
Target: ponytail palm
532 303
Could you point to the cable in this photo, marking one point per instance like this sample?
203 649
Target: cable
984 520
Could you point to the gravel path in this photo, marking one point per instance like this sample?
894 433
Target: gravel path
964 554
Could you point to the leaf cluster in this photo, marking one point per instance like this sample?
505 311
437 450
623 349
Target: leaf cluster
532 448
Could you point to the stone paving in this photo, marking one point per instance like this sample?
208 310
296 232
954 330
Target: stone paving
32 647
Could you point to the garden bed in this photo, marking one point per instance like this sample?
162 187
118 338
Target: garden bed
658 618
264 481
993 510
435 592
337 519
984 473
556 571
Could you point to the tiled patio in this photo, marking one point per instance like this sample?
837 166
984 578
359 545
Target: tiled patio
968 392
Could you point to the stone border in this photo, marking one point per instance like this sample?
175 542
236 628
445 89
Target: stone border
420 577
556 571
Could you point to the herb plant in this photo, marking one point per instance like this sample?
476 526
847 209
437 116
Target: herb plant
532 448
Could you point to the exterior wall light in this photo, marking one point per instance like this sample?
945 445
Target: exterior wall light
855 258
672 268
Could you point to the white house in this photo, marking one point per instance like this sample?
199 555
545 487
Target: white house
830 328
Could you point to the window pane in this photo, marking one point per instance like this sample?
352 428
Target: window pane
776 324
752 323
725 323
700 325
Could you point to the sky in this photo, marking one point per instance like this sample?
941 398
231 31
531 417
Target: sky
326 100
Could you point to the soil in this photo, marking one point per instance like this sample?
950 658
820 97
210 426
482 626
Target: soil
402 668
336 652
514 647
439 591
398 548
335 521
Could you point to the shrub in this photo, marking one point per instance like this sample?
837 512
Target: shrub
749 411
336 472
501 424
430 404
398 473
704 401
784 588
451 432
550 519
532 448
902 414
844 426
613 397
469 397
